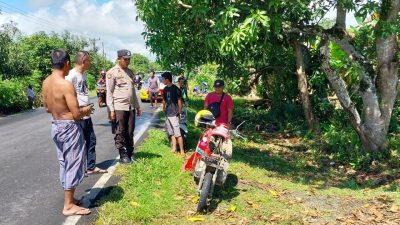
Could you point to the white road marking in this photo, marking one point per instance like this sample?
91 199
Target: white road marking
98 186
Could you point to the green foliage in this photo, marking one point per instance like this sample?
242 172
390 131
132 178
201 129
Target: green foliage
26 60
13 96
98 63
91 79
207 73
140 64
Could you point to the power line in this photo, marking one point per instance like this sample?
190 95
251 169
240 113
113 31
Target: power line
30 19
10 9
26 17
16 9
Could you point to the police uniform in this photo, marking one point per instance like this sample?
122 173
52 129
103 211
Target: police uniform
122 99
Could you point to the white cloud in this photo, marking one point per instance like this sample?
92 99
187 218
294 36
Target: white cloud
114 22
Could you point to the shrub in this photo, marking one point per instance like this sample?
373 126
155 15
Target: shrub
13 96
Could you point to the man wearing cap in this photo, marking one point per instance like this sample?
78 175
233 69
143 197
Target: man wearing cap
220 99
225 103
122 105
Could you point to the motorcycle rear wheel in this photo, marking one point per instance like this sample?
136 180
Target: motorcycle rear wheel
205 190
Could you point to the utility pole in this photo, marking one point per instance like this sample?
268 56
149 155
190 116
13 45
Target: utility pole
104 56
93 40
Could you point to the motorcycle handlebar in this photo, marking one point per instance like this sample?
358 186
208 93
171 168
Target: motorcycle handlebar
236 133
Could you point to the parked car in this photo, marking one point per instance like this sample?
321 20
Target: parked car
144 92
162 85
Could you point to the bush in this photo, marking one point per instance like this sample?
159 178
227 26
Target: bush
91 79
13 92
13 96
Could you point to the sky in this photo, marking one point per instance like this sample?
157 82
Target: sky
113 22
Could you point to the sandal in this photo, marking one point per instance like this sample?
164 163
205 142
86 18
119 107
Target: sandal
96 170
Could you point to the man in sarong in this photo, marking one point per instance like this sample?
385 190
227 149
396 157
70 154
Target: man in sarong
60 100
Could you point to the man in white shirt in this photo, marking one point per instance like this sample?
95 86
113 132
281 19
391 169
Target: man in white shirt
78 78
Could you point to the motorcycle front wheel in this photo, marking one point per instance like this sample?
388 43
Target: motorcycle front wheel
205 190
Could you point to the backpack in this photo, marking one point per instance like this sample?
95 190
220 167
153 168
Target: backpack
215 107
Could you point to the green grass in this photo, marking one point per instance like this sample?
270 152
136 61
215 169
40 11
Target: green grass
271 181
151 188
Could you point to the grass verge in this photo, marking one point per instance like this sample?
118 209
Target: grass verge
276 180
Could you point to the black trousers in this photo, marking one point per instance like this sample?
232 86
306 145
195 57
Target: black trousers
125 126
90 138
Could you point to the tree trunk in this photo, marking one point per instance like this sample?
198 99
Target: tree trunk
303 88
371 130
378 87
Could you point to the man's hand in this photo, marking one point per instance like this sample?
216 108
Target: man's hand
111 116
138 111
87 110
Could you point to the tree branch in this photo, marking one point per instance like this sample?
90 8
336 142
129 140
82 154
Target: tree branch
340 16
387 50
339 86
184 5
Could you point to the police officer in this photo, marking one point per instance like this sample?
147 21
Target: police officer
122 104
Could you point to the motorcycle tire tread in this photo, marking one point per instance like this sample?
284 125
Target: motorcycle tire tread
205 190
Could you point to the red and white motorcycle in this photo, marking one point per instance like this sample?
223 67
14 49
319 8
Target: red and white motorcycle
210 162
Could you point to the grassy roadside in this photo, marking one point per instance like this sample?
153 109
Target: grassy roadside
274 181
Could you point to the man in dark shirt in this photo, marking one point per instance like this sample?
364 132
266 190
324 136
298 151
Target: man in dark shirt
172 106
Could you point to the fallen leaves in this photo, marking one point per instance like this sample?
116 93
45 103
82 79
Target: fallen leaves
273 193
196 219
134 204
275 217
232 208
195 199
252 204
394 208
380 210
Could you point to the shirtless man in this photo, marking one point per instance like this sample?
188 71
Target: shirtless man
60 100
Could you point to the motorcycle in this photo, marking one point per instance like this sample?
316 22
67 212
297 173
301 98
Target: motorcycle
101 94
205 88
203 91
196 91
210 162
138 82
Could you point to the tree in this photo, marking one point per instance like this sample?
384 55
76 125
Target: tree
140 64
244 37
377 87
11 58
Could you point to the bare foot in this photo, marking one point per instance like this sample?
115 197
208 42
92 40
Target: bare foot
76 210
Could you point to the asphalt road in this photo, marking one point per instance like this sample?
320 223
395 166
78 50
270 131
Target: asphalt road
30 191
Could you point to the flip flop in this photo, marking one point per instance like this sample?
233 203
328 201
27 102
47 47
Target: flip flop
79 212
99 171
